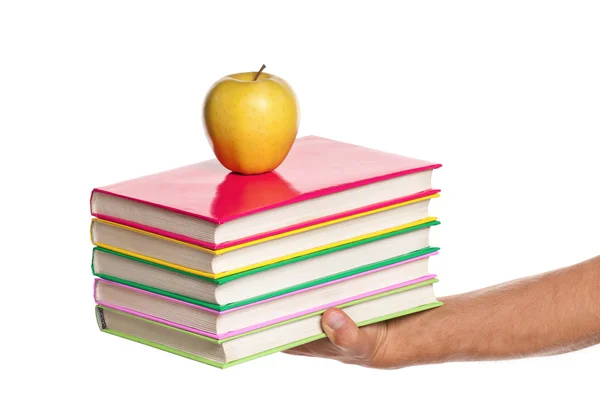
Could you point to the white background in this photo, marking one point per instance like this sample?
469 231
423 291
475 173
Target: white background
505 95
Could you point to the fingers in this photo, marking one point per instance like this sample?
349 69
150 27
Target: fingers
317 348
345 335
345 342
297 352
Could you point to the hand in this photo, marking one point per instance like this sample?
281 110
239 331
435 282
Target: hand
546 314
345 342
383 345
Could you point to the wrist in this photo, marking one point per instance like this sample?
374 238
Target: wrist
430 337
446 340
447 334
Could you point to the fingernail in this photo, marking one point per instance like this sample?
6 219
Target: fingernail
335 320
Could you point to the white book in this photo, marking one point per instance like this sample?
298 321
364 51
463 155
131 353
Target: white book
137 212
310 270
264 341
238 320
198 258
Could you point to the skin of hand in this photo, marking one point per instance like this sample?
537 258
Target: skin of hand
552 313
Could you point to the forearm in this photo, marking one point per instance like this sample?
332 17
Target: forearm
546 314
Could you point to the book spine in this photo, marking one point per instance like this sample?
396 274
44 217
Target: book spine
93 231
93 261
100 318
95 290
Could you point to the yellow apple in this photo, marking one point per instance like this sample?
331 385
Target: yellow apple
251 121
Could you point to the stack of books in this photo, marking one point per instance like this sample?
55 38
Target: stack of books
223 268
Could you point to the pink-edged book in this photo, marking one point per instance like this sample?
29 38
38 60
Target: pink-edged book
320 181
220 325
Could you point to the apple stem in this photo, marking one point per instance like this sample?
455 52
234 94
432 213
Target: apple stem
258 74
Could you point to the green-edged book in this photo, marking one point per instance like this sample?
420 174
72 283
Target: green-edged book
298 275
271 339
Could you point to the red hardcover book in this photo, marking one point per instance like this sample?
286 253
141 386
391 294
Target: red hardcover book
320 180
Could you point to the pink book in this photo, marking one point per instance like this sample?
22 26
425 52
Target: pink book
321 180
137 296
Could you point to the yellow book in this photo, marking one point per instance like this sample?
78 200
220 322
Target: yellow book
215 264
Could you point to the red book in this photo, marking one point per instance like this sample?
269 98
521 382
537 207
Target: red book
319 181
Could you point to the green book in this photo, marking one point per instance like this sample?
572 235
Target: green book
257 343
194 289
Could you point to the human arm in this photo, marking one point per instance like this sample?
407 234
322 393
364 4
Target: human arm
551 313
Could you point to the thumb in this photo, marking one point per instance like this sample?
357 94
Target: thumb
344 334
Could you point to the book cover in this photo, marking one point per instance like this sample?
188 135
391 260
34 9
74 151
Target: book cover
315 167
